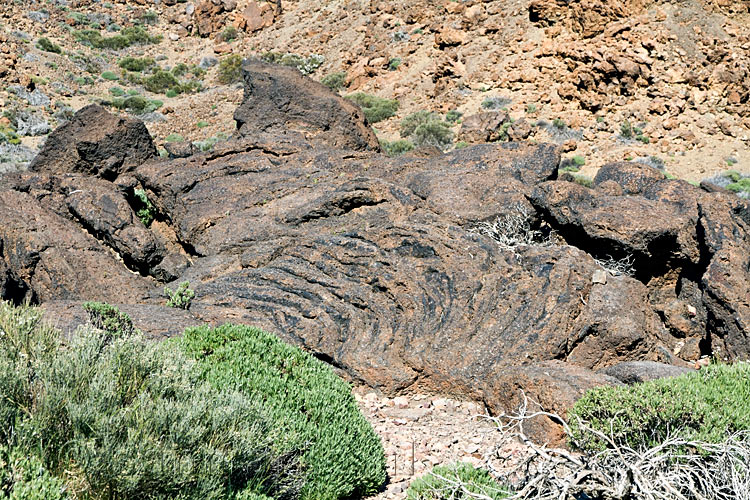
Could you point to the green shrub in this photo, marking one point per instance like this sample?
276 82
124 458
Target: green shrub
307 402
583 180
230 69
127 37
705 405
150 17
44 44
171 93
531 108
137 64
174 138
394 63
116 416
396 148
116 91
453 116
202 124
305 65
181 297
426 128
375 108
160 82
108 75
451 482
144 209
180 69
229 34
626 130
559 124
24 477
740 186
334 81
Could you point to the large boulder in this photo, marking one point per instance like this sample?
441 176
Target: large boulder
95 142
280 98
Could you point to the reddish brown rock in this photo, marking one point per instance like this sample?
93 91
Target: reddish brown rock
255 17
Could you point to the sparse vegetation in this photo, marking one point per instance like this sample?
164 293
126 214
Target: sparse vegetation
531 108
46 45
396 148
108 75
305 65
427 128
137 64
375 108
461 481
453 116
334 81
174 138
125 38
495 103
181 297
229 34
394 63
230 69
559 124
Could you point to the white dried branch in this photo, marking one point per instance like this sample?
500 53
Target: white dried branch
513 230
675 469
617 267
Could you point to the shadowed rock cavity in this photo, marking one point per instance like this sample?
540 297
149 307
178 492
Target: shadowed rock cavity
380 265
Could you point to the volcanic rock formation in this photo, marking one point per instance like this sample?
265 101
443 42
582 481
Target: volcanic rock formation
475 272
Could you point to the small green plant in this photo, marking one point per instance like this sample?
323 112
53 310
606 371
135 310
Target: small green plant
171 93
707 405
137 64
108 75
181 297
144 209
461 145
229 34
731 161
425 128
150 17
583 180
531 108
180 69
396 148
461 481
579 160
305 65
334 81
44 44
394 63
174 138
741 186
202 124
375 108
230 69
453 116
161 81
116 91
559 124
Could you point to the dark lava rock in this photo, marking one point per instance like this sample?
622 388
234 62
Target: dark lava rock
95 142
280 98
633 372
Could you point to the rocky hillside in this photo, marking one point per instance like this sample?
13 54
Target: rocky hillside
476 273
660 82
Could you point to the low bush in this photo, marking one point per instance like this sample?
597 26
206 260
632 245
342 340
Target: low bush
305 400
126 38
375 108
160 82
230 69
426 128
181 297
137 64
396 148
116 416
305 65
707 405
44 44
453 116
461 481
108 75
137 104
334 81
